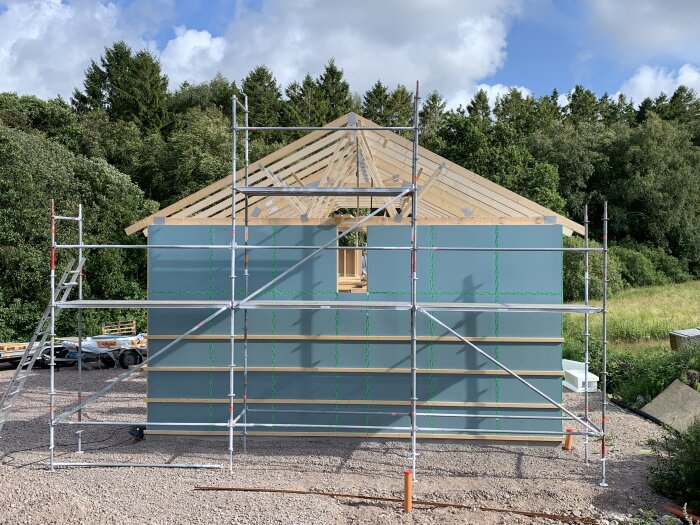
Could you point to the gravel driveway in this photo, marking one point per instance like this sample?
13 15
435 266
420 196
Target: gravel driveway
543 479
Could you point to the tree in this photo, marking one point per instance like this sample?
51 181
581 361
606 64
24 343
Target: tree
646 107
548 111
128 87
615 111
653 186
33 170
583 106
217 93
304 105
579 153
53 118
479 108
400 109
197 153
517 110
375 104
264 102
117 142
333 92
431 118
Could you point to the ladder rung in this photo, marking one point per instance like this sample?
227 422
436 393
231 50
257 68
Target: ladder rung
7 407
19 378
69 284
14 392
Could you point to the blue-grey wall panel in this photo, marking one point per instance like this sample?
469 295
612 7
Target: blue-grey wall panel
511 277
397 416
355 354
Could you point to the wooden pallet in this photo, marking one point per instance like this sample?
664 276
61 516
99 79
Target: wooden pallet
119 328
12 351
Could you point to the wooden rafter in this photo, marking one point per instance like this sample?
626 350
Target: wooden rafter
447 191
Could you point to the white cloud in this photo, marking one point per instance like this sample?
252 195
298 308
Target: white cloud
450 45
650 81
192 55
493 91
641 29
46 45
446 44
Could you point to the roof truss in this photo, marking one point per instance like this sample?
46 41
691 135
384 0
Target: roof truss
447 192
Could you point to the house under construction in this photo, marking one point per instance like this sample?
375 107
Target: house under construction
440 319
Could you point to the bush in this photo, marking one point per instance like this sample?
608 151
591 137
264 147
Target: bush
676 473
643 265
666 265
573 272
630 265
636 268
637 378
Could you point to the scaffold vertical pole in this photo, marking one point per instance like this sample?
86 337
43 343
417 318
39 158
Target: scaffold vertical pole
604 357
52 362
586 333
232 365
246 282
79 277
414 306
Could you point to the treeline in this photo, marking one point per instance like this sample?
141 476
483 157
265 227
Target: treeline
125 145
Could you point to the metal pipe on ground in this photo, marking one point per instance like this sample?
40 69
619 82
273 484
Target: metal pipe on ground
558 517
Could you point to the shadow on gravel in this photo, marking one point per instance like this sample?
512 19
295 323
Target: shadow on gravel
628 481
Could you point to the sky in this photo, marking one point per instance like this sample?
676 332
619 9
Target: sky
636 47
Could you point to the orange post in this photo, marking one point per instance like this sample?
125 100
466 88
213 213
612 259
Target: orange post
568 440
408 491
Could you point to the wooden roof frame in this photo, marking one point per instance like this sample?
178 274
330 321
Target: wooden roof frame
447 194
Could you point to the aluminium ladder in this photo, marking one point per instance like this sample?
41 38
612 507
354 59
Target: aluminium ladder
34 349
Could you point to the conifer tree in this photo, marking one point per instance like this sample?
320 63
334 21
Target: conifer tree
375 104
128 87
334 92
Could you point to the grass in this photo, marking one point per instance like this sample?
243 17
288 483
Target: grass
640 319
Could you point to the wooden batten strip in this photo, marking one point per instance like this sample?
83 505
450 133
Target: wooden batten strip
347 221
362 435
370 402
282 369
379 338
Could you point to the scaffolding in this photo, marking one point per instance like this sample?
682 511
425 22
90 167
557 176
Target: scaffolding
391 196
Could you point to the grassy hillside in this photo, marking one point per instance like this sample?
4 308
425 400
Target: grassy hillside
640 319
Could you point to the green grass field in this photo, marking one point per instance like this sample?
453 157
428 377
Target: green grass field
640 319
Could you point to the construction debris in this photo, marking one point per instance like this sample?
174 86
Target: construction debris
677 406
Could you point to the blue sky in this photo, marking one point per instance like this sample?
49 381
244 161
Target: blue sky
638 47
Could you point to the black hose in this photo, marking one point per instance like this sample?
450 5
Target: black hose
637 411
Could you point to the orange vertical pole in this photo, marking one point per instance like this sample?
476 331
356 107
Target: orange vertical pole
569 439
408 491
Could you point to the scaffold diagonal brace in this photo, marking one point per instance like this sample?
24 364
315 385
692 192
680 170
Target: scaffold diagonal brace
122 377
586 424
329 243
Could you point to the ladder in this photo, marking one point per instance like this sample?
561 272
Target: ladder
68 281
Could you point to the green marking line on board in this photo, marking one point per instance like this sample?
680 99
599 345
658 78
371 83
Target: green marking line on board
210 327
497 330
431 352
337 363
274 324
367 361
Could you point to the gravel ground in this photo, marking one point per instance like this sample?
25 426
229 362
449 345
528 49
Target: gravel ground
542 479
